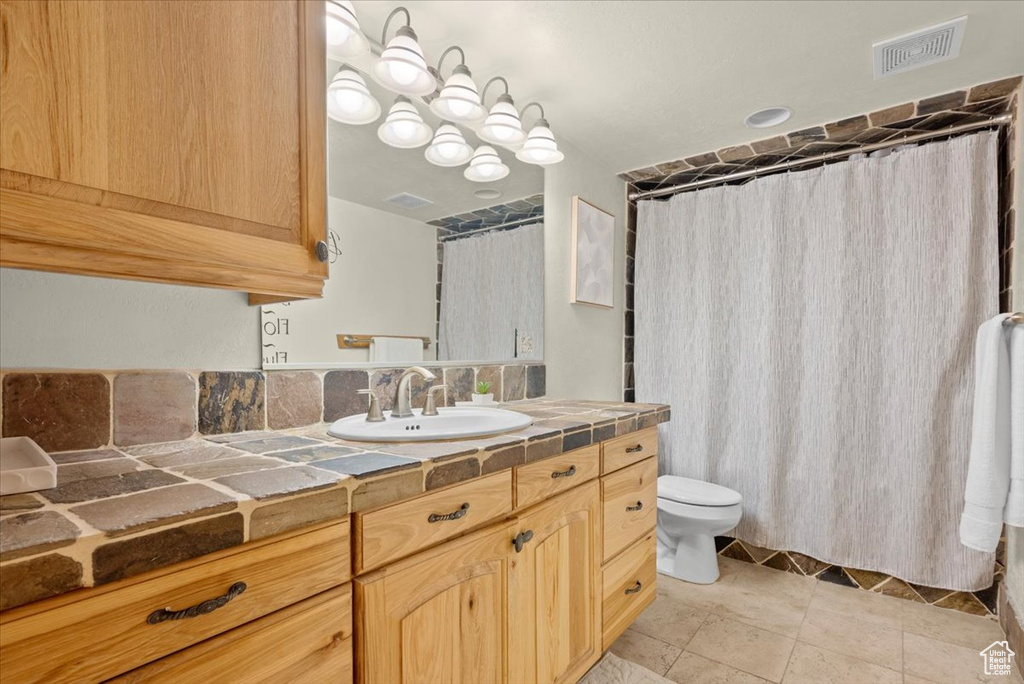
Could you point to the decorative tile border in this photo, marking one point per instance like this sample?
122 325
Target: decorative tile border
65 411
982 602
930 114
494 216
118 512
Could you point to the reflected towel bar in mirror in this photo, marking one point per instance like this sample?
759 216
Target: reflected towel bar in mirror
363 341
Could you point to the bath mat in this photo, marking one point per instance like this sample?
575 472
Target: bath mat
614 670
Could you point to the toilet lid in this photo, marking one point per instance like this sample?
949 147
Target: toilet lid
695 492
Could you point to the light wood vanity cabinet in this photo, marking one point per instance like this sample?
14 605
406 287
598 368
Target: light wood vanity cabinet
95 634
174 141
520 577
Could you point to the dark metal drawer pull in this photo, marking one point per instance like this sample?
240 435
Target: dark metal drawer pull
635 588
564 473
454 515
635 450
639 507
158 616
519 541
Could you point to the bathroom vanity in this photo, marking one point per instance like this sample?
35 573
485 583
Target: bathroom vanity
525 572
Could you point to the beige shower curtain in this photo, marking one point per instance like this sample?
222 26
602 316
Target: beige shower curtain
813 333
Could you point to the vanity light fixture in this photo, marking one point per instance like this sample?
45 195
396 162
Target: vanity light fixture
448 147
348 99
459 100
344 37
502 125
540 147
402 67
404 128
486 166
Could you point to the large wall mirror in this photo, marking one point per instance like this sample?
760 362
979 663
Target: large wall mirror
417 251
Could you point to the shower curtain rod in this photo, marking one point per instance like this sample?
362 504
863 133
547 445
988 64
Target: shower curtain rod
1001 120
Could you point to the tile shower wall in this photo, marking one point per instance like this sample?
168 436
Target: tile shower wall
479 222
66 411
930 114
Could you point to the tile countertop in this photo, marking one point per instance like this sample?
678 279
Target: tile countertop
120 512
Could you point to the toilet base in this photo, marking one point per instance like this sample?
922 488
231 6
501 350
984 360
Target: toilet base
692 558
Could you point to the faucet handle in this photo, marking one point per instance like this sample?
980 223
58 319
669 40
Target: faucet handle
374 415
430 408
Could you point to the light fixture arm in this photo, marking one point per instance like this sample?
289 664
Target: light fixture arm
387 22
453 48
483 93
538 105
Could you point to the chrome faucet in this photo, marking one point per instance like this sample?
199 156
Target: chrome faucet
403 399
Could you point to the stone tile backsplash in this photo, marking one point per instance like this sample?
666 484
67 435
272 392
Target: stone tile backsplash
70 411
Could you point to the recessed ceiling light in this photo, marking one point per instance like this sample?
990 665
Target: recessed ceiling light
766 118
487 193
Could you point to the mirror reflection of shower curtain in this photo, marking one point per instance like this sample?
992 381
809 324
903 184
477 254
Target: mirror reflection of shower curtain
814 335
493 285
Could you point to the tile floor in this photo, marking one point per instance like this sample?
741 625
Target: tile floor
757 624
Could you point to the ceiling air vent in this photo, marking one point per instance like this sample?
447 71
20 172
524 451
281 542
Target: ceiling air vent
920 48
407 201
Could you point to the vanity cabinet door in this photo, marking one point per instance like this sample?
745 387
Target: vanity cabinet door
174 141
439 617
554 593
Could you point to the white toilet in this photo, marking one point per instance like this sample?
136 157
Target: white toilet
690 514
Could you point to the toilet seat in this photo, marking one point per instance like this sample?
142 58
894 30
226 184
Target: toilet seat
696 493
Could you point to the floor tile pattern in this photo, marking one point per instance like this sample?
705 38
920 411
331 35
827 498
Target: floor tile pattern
757 624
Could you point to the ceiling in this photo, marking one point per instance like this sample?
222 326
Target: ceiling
636 83
362 169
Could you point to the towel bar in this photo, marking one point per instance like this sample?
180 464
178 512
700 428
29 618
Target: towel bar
363 341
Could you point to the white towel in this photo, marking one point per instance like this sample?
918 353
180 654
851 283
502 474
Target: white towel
1014 512
395 349
997 421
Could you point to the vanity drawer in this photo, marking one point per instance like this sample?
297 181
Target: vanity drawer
628 587
393 532
543 479
623 451
309 642
107 631
630 499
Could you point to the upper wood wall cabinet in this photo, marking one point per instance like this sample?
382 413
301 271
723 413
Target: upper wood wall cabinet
173 140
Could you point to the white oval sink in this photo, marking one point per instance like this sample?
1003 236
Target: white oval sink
450 423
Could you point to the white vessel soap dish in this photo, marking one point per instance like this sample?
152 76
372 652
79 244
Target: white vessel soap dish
25 467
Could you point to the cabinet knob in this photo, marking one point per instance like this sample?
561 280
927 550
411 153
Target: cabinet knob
322 252
519 541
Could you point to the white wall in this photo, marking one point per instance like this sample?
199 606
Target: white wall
582 344
1015 535
49 320
383 283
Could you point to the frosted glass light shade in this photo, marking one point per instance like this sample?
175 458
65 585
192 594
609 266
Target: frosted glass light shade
401 67
486 166
344 37
540 147
348 99
502 125
404 128
459 99
448 148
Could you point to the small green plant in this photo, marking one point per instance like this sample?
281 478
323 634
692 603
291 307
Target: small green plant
483 387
